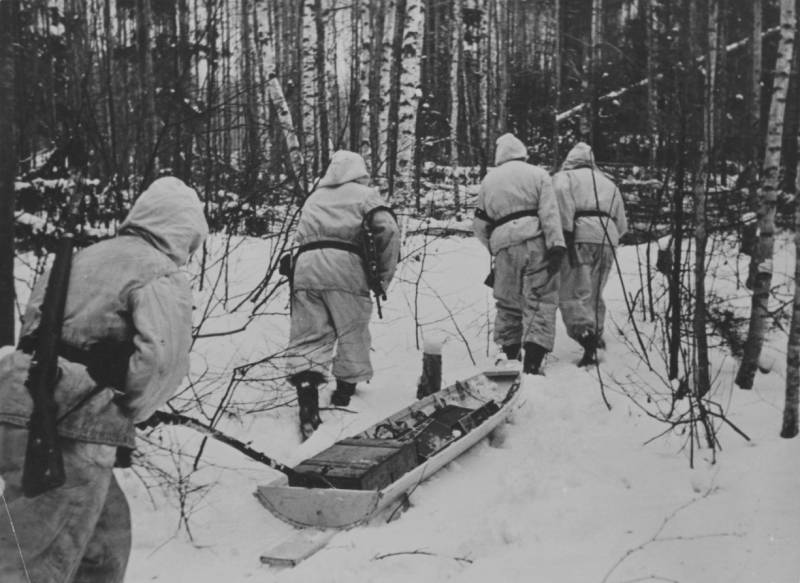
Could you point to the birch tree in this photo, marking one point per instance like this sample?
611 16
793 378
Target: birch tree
380 146
410 92
308 87
393 113
455 67
366 71
760 277
296 164
322 86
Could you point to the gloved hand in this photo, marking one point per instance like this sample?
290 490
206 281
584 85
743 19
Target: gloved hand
555 255
572 252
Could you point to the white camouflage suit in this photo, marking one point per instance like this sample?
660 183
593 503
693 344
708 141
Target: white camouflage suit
526 295
580 187
129 312
331 304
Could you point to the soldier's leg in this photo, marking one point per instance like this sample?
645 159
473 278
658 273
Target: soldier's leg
107 553
575 294
311 334
508 267
541 297
351 314
48 535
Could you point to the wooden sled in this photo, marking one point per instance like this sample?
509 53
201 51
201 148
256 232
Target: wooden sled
386 461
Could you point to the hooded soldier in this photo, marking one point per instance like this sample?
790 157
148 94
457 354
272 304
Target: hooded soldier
124 349
517 219
593 219
331 305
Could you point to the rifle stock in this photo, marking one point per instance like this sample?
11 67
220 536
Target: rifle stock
44 463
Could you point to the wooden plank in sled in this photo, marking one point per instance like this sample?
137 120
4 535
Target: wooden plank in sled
299 546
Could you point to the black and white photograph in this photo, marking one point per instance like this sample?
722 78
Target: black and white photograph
392 291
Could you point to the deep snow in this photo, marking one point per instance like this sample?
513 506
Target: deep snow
571 493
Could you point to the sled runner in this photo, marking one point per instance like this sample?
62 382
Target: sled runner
354 479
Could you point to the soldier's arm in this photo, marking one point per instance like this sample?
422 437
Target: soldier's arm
549 217
565 201
619 213
162 319
387 241
480 226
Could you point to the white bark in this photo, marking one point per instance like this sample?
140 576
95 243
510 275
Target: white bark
308 88
410 92
390 8
760 279
365 58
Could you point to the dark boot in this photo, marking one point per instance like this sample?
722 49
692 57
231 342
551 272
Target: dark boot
341 396
307 385
589 342
532 364
512 351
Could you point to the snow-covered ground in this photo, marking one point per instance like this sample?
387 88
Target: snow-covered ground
571 494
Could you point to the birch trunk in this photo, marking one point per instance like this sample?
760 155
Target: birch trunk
792 400
296 163
455 67
309 87
322 87
366 38
393 113
761 265
389 18
410 93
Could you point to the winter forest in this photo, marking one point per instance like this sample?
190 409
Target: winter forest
670 460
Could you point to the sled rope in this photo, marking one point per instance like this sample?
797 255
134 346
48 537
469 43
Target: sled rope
16 539
169 418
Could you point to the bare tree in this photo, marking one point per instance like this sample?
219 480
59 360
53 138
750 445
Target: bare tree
792 400
8 167
760 277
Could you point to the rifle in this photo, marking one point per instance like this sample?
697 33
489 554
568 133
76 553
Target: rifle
371 258
44 464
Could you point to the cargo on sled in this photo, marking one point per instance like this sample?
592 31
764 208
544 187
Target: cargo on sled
348 483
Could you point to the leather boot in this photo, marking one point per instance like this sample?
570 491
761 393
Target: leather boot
534 353
512 351
307 385
589 342
341 396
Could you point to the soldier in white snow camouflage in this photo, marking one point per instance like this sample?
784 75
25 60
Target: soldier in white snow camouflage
593 219
517 220
331 305
124 349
